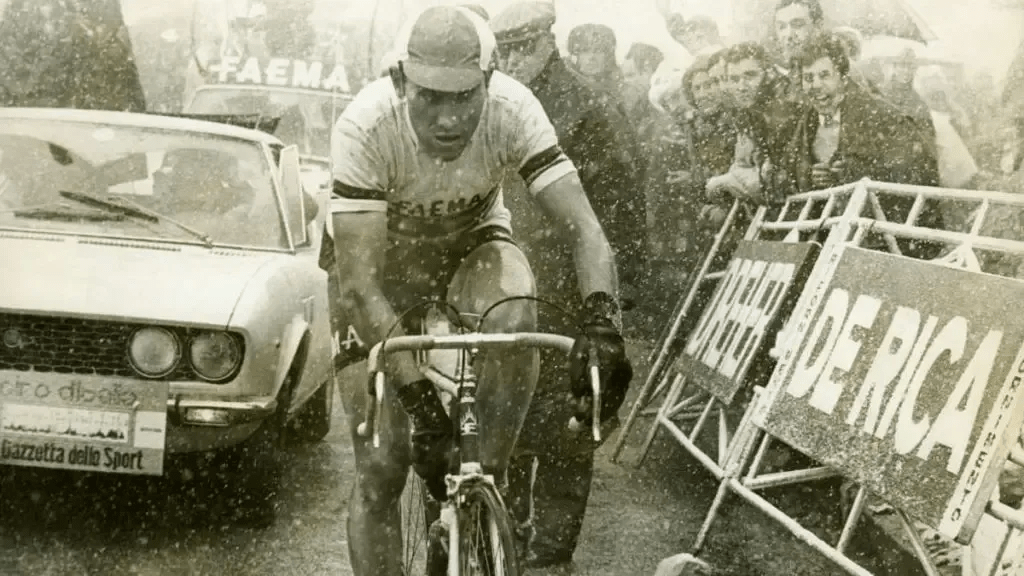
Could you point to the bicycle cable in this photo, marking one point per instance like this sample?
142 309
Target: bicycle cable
565 314
460 325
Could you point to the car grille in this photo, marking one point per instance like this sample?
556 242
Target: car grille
31 343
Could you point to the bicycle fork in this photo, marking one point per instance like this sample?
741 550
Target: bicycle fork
470 468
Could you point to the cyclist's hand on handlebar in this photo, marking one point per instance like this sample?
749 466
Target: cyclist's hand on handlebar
601 337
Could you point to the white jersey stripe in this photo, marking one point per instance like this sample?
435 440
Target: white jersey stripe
350 205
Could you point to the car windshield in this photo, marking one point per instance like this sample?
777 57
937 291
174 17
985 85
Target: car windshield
101 179
306 115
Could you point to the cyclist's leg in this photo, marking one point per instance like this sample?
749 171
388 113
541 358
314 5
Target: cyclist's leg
375 547
493 271
560 494
560 487
374 523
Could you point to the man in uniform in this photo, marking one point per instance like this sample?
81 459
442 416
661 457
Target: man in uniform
419 157
588 133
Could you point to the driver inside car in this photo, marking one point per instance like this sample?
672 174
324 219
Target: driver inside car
200 182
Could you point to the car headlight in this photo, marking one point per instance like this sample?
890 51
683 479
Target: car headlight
153 352
215 355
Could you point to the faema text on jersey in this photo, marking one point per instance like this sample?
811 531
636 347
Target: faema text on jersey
288 72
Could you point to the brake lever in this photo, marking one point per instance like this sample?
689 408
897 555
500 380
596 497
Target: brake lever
594 372
374 406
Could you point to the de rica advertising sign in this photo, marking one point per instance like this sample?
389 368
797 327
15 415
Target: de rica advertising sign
908 379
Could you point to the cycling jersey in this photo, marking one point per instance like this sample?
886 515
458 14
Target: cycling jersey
378 164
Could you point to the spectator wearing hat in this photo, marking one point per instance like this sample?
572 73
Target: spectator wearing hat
598 141
699 34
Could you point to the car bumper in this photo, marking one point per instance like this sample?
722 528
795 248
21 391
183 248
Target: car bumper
202 425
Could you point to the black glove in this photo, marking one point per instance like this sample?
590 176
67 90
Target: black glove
433 439
601 336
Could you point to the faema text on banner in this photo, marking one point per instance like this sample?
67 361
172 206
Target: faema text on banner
909 381
79 422
281 72
759 288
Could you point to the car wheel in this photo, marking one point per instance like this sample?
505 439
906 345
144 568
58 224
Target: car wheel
314 420
254 472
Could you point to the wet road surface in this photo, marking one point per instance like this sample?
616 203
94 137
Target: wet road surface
54 523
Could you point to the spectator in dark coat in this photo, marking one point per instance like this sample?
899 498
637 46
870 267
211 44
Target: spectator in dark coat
638 67
592 54
622 211
598 140
591 134
845 134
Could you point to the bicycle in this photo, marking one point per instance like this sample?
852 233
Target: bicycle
480 535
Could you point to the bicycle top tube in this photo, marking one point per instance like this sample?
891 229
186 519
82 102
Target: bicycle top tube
481 341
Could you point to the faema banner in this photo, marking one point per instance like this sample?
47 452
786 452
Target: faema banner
280 72
758 290
907 378
79 422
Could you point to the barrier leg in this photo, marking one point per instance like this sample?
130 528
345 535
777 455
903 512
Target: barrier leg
851 521
677 385
801 533
745 437
652 386
661 358
723 435
915 540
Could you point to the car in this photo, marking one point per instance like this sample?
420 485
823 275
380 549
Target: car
306 97
163 294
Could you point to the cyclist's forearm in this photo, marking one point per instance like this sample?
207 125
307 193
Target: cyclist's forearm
595 264
373 317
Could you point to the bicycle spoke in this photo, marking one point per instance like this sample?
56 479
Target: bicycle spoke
414 528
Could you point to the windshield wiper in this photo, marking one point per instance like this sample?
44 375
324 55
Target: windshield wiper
125 207
109 205
67 215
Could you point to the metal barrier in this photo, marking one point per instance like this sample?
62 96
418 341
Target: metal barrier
683 398
826 331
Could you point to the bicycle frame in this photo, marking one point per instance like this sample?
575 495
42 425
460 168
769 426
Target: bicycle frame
464 391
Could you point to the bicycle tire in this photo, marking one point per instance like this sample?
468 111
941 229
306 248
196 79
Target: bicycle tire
487 545
413 513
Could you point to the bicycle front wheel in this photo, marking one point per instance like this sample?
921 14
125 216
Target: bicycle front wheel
418 510
486 542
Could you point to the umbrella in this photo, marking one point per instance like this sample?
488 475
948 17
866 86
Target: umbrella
872 17
889 48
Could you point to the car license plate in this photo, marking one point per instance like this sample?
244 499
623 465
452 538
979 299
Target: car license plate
78 422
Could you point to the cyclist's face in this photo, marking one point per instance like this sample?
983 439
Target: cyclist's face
445 121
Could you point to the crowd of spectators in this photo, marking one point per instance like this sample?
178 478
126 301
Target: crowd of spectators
803 110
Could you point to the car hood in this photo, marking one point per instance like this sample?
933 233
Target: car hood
124 279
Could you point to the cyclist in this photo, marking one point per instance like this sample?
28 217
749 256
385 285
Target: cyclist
418 158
